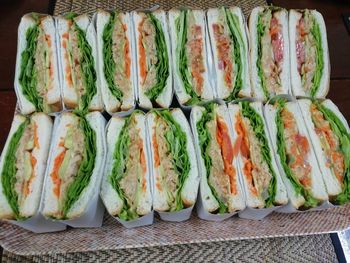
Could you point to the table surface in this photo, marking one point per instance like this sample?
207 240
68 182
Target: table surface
338 41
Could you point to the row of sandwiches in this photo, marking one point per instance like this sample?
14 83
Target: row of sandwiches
117 59
243 155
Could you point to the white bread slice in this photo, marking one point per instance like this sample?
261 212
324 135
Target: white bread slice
282 17
111 103
213 15
109 195
318 190
210 204
294 17
70 97
31 203
50 205
332 184
181 93
164 99
252 200
53 96
190 187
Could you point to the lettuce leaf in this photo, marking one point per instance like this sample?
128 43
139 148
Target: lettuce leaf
8 175
310 201
204 138
181 58
28 72
316 33
344 138
162 66
109 65
86 168
177 144
257 124
238 48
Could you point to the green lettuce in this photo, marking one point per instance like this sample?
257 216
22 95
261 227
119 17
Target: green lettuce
8 175
28 72
344 138
316 33
86 168
109 65
238 49
310 201
181 58
257 124
177 144
204 138
162 66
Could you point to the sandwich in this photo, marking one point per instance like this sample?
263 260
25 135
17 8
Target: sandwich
262 182
37 82
74 167
269 51
229 46
153 59
189 48
22 166
299 167
330 135
310 68
126 188
114 47
175 175
220 188
78 58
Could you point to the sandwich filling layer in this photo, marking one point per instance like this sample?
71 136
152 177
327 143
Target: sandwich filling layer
171 158
116 57
255 151
19 166
293 149
270 51
190 54
128 176
309 52
80 66
230 49
153 56
73 165
37 67
335 142
217 153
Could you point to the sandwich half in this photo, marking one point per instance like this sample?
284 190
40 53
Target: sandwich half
78 59
269 51
189 55
115 60
299 167
262 182
330 136
153 59
309 57
74 168
22 166
37 80
174 165
126 188
220 186
229 46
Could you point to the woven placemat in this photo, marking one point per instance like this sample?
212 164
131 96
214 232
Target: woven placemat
88 6
288 249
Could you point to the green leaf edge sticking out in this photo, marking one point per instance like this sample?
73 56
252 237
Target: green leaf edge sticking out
258 126
8 175
162 65
109 65
310 201
204 138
